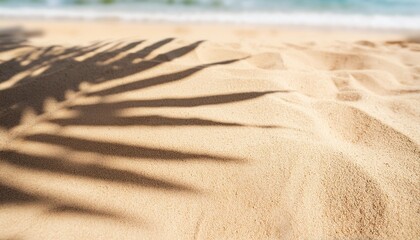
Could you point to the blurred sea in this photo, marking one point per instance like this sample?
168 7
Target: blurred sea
379 14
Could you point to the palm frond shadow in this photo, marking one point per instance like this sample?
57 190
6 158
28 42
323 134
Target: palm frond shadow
16 196
65 72
11 39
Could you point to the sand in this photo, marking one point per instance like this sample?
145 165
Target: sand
147 131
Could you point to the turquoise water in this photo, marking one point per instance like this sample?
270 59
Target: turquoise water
377 14
387 7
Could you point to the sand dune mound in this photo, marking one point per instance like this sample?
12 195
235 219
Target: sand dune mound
178 139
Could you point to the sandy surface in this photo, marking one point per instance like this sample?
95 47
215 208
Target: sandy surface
129 131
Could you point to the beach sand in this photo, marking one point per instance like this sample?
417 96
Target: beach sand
157 131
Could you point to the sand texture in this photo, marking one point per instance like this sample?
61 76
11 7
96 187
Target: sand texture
184 138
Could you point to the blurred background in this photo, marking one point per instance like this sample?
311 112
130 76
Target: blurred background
380 14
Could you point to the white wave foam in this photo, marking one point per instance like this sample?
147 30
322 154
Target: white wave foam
396 22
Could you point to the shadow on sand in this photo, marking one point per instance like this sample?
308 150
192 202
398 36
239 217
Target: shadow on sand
64 72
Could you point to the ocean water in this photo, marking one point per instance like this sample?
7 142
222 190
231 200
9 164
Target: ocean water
380 14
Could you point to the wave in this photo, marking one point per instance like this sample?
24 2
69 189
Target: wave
312 19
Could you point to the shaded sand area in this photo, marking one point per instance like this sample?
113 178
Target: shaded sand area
174 137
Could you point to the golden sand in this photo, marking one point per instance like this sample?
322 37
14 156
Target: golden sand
129 131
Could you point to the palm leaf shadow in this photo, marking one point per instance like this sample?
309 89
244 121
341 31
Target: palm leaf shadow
64 72
16 196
